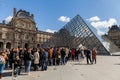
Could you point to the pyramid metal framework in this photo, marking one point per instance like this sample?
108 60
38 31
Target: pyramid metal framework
77 33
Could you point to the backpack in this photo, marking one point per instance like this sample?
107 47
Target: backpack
2 60
31 57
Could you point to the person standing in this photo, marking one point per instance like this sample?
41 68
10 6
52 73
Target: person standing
36 59
7 53
54 55
88 55
79 54
2 64
44 59
17 62
67 53
94 52
63 56
51 56
21 55
73 54
58 56
28 60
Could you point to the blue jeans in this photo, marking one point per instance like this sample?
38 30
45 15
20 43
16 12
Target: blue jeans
2 66
51 61
63 60
16 71
79 57
44 66
28 65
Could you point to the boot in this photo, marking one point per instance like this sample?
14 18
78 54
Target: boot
0 76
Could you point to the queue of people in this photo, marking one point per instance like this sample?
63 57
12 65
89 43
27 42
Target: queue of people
40 59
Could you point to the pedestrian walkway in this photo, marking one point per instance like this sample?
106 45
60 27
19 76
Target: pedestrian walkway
107 68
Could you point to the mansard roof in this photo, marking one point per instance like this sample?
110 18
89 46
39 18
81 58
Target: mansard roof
24 14
114 27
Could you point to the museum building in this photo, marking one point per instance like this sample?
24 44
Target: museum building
21 31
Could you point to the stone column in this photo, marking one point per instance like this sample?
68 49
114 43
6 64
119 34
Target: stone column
22 39
4 45
12 45
15 45
4 39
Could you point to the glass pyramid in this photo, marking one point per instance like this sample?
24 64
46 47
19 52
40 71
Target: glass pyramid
77 33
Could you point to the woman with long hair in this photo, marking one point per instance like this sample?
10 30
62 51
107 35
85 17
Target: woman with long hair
2 63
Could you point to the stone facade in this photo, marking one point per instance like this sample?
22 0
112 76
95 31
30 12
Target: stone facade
114 35
21 31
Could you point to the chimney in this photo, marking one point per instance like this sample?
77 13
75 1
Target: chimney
32 15
3 22
14 12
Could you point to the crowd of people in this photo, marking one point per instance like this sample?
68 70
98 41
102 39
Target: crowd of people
40 59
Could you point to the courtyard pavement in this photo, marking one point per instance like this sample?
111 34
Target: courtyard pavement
107 68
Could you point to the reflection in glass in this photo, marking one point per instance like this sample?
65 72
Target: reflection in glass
76 33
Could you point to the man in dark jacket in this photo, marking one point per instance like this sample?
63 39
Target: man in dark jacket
16 61
63 55
44 60
28 60
88 55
